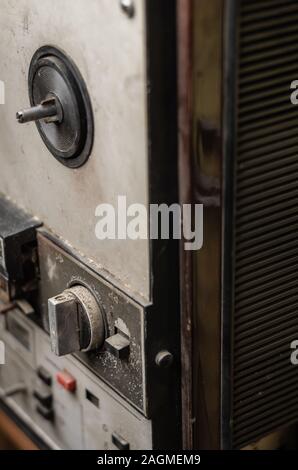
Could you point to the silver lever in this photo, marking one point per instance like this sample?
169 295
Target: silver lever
49 110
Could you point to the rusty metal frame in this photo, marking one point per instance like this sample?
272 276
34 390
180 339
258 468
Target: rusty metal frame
185 92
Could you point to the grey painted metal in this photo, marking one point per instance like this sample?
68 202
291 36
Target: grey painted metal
110 54
79 423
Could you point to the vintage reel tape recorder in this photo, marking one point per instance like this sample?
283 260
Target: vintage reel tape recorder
91 336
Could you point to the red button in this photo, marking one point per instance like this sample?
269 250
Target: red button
67 381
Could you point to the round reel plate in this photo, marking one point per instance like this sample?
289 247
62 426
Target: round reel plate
53 74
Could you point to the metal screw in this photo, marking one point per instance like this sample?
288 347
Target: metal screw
128 7
164 359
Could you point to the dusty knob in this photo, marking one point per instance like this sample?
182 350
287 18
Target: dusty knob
76 321
60 107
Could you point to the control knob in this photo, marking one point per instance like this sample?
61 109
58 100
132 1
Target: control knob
76 321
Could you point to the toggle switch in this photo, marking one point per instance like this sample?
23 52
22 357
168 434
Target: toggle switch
119 442
67 381
44 375
118 345
44 397
46 413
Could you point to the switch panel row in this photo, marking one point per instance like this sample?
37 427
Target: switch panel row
63 402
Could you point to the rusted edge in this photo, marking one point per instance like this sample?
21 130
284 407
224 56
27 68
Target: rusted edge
185 95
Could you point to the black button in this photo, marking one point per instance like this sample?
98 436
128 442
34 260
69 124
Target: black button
44 375
46 413
119 442
44 397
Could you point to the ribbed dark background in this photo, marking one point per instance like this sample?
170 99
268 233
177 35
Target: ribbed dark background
265 388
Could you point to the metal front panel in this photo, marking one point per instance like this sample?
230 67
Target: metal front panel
58 270
129 67
109 50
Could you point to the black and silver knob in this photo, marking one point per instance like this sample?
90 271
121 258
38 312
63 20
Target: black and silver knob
76 321
60 106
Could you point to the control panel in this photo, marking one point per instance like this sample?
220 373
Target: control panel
74 332
59 398
86 315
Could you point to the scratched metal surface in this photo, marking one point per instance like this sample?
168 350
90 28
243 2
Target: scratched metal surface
109 49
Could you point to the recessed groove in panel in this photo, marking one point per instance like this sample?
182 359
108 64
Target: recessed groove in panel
262 384
260 5
265 408
264 340
271 192
282 224
257 371
276 171
264 123
265 262
265 40
250 361
257 169
268 54
265 14
249 109
276 41
265 318
265 77
269 283
249 247
252 318
286 418
260 381
267 299
262 67
266 327
256 227
272 23
247 404
276 156
259 212
261 206
270 112
265 133
267 270
261 88
251 321
250 310
269 139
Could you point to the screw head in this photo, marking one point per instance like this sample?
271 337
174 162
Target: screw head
128 7
164 359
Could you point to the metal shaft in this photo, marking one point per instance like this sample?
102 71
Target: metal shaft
46 110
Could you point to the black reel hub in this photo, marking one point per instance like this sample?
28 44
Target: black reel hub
61 106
